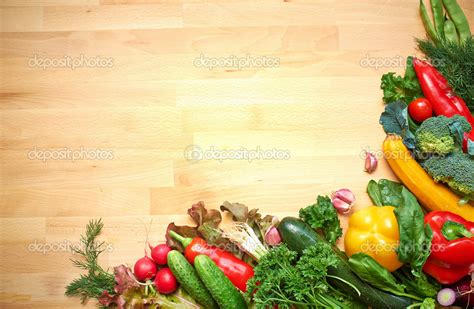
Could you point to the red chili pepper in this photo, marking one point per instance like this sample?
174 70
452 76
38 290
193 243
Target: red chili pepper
450 260
234 268
437 90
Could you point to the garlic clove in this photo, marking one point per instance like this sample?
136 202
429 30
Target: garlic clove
343 200
272 236
371 162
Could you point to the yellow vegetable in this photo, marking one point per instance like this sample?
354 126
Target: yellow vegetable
374 231
432 195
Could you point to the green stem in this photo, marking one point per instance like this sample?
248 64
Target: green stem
183 240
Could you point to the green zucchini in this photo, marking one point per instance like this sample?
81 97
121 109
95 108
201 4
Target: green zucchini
298 235
224 292
189 280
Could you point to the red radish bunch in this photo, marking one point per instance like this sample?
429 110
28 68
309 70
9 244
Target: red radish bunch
147 268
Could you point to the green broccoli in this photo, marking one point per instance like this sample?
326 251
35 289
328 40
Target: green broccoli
437 135
456 170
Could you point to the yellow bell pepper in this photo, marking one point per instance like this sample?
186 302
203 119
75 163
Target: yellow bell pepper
374 231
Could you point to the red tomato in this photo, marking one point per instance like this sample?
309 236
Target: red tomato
420 109
165 281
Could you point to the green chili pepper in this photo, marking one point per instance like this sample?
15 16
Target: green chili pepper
450 33
459 19
453 230
438 16
430 30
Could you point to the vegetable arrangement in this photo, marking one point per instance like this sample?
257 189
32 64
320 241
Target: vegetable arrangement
397 254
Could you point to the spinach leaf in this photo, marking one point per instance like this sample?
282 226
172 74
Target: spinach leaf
415 237
375 274
385 193
395 121
420 286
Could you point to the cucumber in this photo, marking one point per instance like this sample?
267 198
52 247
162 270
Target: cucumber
189 280
224 292
298 235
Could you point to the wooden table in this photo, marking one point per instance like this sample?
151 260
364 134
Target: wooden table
130 81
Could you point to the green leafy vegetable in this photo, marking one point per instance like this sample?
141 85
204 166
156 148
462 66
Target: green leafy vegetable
415 237
322 216
283 279
385 193
375 274
395 120
96 280
398 88
453 230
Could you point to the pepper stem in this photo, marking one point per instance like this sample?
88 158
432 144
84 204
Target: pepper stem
185 241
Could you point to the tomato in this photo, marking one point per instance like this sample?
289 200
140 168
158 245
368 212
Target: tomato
420 109
165 281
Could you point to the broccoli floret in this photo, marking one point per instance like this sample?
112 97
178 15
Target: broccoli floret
455 169
434 136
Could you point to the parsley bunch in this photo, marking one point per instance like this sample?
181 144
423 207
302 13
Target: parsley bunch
283 279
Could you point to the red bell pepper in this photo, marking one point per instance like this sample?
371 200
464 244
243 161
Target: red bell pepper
234 268
437 90
450 260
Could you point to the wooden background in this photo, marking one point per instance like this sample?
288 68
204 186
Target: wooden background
322 104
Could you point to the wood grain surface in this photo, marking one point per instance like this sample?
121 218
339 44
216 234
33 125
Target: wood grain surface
142 98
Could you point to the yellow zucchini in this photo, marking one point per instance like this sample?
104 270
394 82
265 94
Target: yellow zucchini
432 195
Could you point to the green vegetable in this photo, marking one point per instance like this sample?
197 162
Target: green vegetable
453 230
438 17
298 235
395 120
385 193
398 88
459 19
455 169
456 64
375 274
283 279
421 286
430 30
322 216
439 135
415 237
450 33
97 280
221 288
189 280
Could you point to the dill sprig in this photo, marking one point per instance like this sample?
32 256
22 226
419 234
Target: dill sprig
96 280
456 62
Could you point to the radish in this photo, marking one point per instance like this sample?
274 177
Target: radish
159 254
165 281
144 269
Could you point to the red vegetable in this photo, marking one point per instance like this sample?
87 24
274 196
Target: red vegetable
165 281
235 269
437 90
464 292
420 109
449 261
144 269
159 254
